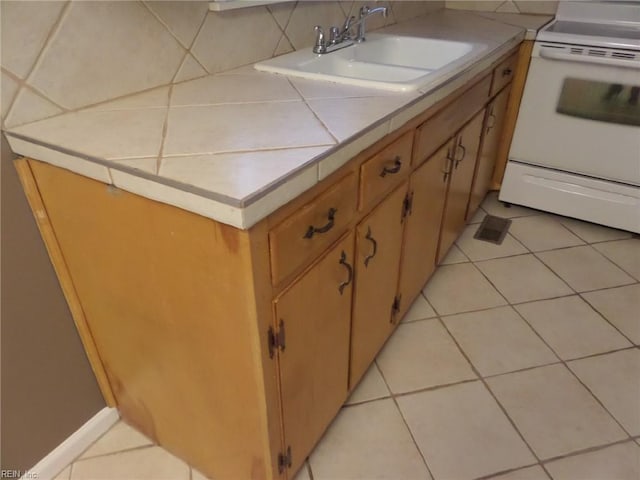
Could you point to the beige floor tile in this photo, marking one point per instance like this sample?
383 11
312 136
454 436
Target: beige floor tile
624 253
590 232
421 355
523 278
303 473
419 310
454 256
493 206
481 250
371 387
498 341
151 463
542 232
64 474
617 462
462 432
584 269
368 441
461 288
478 216
615 380
530 473
620 306
553 411
120 437
571 327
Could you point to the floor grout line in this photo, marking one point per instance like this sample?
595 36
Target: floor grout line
486 386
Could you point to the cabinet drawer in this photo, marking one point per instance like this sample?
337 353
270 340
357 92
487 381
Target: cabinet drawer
438 129
504 73
306 233
385 170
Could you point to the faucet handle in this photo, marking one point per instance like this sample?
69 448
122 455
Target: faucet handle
321 44
334 35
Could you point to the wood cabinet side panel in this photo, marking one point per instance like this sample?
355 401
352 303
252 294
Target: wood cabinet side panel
169 298
62 272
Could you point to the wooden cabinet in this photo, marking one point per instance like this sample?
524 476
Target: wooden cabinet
234 349
462 163
311 336
428 189
494 121
375 304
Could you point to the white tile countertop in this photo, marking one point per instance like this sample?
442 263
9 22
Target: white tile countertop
237 145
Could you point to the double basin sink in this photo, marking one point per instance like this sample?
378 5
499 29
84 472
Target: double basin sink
387 62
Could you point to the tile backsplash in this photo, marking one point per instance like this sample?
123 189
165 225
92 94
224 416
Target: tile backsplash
59 56
535 7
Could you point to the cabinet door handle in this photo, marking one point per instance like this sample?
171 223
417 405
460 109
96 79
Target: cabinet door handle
374 244
491 120
331 215
343 261
464 152
449 162
397 165
506 72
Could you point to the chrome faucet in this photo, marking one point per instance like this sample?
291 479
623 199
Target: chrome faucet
365 12
341 38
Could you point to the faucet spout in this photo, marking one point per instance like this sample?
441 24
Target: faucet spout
366 12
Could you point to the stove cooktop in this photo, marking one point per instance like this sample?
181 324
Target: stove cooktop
608 24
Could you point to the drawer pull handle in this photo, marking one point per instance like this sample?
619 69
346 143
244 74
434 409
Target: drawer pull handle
397 165
343 261
374 244
331 215
506 72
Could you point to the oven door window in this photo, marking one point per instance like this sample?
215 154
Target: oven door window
600 101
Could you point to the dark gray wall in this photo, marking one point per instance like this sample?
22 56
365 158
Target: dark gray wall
48 388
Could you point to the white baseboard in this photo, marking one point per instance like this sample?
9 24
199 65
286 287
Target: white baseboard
73 446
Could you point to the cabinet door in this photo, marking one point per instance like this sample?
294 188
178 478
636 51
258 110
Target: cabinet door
314 364
378 246
428 188
492 131
463 165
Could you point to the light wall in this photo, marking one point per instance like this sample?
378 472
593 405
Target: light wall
509 6
59 56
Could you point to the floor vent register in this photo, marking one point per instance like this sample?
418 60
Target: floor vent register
493 229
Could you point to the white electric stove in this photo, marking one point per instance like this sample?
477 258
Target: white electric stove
576 146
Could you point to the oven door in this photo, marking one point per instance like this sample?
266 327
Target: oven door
580 112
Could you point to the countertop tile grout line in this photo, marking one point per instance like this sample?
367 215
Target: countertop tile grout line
165 129
45 47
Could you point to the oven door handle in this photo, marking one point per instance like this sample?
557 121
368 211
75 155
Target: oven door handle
554 54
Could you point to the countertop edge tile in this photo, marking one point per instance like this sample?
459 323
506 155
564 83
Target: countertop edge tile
273 200
60 159
191 202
